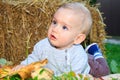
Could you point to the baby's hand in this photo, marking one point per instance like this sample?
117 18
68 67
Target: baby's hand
18 67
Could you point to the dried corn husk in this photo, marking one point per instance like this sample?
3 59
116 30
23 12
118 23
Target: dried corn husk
24 72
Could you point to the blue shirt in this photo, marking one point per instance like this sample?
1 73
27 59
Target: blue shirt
60 61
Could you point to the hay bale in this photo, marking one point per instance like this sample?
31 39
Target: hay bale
97 33
23 23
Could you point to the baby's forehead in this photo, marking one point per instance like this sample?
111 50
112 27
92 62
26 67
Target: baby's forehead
69 16
75 6
77 12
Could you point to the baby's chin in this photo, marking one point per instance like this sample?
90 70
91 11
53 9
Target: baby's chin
52 44
56 45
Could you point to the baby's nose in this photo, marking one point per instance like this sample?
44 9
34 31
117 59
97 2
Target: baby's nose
56 29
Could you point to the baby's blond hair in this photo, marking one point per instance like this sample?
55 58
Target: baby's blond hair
86 21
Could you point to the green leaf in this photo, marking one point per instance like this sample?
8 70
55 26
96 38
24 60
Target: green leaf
115 68
35 78
15 77
93 2
3 61
41 71
115 79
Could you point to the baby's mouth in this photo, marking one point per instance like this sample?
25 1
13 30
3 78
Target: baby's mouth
52 37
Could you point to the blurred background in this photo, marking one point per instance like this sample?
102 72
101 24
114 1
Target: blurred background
111 13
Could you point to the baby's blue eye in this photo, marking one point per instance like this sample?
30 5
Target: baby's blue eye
65 28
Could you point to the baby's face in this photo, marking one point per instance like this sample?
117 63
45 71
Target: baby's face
64 28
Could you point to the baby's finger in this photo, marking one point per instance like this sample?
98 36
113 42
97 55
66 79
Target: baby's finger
18 67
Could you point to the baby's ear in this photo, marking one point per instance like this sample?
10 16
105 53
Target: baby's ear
79 39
